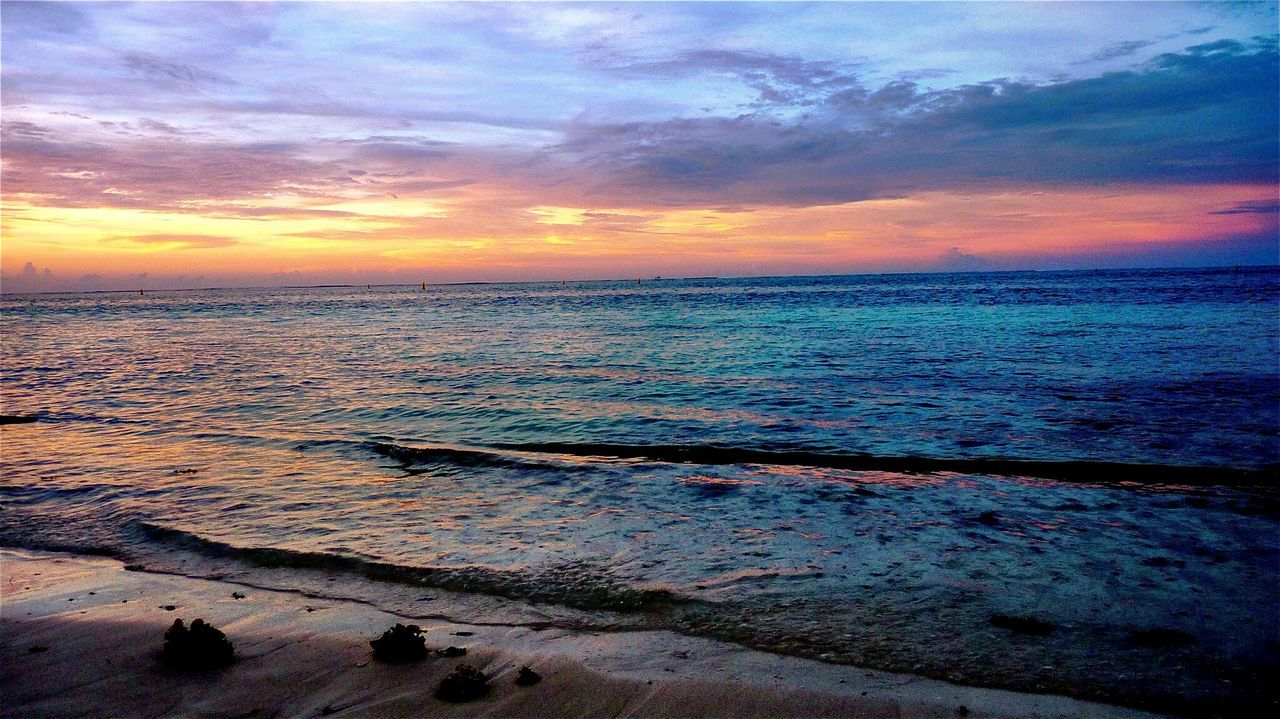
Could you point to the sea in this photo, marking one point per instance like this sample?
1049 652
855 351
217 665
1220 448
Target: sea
1048 481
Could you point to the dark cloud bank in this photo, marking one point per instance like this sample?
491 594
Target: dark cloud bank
1207 115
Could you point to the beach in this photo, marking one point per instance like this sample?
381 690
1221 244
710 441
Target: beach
82 636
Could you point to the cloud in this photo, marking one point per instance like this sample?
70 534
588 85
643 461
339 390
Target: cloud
779 79
158 69
1208 115
158 126
390 115
1116 50
18 129
30 279
175 242
156 173
42 18
1252 207
956 261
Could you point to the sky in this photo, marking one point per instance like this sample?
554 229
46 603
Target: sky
169 145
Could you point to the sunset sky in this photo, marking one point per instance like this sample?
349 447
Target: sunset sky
210 144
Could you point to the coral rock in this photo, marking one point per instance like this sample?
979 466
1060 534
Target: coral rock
199 646
527 677
401 643
463 684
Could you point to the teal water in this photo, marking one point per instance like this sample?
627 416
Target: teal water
892 456
1164 367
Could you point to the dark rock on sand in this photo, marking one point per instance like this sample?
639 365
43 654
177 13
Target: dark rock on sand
36 649
401 643
15 419
463 684
1022 625
1160 637
452 651
199 647
527 677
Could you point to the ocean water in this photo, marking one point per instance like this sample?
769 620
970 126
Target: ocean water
863 469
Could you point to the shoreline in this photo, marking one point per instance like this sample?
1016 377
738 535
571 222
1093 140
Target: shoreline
309 656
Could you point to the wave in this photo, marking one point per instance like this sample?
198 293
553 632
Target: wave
1068 471
411 456
579 585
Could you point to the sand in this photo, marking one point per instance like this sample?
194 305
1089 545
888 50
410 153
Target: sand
297 656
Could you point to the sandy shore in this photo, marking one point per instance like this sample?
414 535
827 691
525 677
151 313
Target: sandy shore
81 637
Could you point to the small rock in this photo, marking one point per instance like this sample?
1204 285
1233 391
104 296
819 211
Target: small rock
527 677
199 647
452 651
463 634
36 649
168 607
465 683
237 595
400 643
962 711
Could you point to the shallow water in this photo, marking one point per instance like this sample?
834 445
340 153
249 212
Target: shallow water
452 438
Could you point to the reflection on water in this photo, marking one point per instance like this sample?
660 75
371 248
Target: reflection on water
1168 367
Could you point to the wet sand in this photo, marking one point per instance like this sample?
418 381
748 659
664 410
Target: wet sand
81 636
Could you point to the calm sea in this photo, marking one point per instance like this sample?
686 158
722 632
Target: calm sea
895 456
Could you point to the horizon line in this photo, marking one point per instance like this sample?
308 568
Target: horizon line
641 280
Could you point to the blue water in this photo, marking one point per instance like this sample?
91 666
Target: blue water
408 430
1165 367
